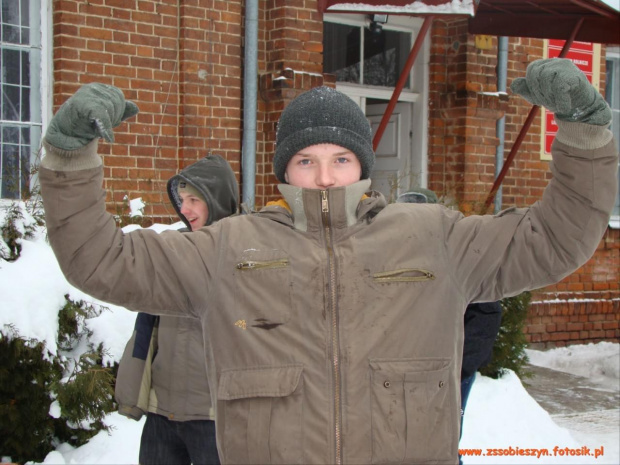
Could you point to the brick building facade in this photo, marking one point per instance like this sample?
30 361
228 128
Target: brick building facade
182 62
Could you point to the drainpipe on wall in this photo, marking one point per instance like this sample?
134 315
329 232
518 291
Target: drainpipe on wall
502 66
250 92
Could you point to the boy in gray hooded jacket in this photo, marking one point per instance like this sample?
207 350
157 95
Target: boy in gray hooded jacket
163 371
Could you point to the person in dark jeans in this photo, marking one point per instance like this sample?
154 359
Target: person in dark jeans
178 442
482 322
163 373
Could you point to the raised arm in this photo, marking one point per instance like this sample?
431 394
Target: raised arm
143 270
523 249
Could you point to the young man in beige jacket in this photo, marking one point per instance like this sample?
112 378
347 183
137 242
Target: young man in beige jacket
333 323
163 373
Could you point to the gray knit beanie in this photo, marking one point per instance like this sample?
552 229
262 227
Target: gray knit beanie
323 116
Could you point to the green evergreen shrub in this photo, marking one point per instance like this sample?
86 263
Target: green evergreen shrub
86 394
509 349
48 399
26 429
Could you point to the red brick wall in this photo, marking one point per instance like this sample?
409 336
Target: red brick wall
462 135
180 61
570 318
293 52
585 306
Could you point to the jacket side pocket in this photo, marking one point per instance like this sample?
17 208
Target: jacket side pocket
262 414
410 410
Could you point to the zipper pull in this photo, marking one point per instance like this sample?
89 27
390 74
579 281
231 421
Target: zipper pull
246 265
324 204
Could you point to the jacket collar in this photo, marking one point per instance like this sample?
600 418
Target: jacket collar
307 205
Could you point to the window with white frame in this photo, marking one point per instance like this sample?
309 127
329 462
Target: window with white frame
612 95
365 54
20 105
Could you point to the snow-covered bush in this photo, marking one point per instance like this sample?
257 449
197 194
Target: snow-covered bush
48 399
48 395
27 429
18 221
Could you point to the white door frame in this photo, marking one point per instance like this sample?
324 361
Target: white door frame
392 174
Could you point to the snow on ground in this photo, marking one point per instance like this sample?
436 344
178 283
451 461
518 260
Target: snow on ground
500 416
119 447
577 360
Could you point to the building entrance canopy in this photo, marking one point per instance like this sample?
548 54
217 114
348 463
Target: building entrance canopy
542 19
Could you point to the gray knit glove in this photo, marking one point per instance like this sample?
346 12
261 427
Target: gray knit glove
93 111
558 85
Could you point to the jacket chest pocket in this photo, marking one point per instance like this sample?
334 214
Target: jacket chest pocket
260 415
398 281
411 416
403 275
263 287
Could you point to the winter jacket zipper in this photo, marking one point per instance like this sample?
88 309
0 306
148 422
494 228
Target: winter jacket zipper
335 340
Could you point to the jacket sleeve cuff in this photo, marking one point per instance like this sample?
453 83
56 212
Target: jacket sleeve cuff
56 159
583 136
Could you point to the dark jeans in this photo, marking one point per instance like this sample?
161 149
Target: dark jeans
466 384
166 442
